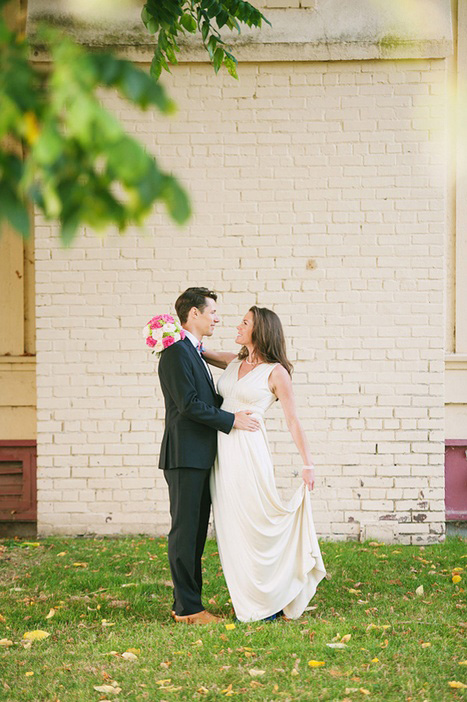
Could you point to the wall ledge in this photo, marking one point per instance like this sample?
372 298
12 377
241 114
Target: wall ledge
332 30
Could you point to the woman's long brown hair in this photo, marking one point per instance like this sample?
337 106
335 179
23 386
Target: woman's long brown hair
268 338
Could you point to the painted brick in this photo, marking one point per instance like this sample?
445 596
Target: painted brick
342 163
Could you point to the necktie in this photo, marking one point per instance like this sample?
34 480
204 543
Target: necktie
200 347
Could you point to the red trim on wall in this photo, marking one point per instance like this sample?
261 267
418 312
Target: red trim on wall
18 442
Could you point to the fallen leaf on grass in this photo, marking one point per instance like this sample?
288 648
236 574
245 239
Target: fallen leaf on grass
364 691
255 683
29 673
256 673
104 622
51 613
456 684
2 619
62 553
352 591
419 591
6 642
228 692
197 643
294 672
316 664
375 660
346 638
35 544
136 651
128 656
229 627
460 662
36 635
202 690
426 644
108 689
456 579
337 645
80 565
164 682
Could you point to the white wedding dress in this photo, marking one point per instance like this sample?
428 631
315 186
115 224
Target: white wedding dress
268 550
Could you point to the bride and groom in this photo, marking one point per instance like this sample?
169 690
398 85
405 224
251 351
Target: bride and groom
215 449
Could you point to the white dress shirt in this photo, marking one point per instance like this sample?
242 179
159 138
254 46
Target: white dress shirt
195 343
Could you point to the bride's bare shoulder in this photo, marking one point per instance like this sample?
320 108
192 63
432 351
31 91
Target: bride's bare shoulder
279 378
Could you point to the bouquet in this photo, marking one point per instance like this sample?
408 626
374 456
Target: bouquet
162 331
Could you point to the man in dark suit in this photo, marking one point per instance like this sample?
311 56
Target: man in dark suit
189 445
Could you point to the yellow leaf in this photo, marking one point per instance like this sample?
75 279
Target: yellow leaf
364 691
62 553
80 565
29 673
396 551
36 544
228 692
456 579
202 690
229 627
36 635
426 644
375 660
419 591
31 129
457 570
354 592
197 643
51 613
316 664
128 656
346 638
460 662
107 689
165 681
256 673
104 622
136 651
294 672
457 685
6 642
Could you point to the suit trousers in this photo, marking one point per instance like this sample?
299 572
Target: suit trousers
190 506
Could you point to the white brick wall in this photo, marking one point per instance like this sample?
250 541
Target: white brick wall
318 191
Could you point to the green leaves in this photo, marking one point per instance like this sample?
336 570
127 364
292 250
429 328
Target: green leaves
80 168
169 18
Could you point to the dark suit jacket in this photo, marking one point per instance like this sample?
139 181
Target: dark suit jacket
192 414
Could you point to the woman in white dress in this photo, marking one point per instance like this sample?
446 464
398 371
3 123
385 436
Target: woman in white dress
269 550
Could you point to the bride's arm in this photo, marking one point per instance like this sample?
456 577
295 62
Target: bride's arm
282 388
220 359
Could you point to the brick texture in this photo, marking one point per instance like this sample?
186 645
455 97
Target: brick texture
318 191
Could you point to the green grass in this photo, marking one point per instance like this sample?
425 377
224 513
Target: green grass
121 599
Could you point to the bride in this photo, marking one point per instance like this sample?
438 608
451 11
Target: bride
268 550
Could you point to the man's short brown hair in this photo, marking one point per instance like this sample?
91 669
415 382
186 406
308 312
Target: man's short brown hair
192 297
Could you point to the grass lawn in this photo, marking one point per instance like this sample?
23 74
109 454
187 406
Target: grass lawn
401 617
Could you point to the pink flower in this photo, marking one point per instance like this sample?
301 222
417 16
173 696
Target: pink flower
182 333
156 322
168 318
151 342
168 341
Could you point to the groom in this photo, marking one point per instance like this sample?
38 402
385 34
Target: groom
189 446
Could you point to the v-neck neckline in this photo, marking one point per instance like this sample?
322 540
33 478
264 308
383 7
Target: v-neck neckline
253 369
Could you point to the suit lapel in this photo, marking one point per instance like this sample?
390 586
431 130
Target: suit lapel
200 361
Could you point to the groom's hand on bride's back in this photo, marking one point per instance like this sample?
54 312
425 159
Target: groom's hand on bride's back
244 420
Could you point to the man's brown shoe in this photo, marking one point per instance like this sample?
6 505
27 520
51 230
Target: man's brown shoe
203 617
